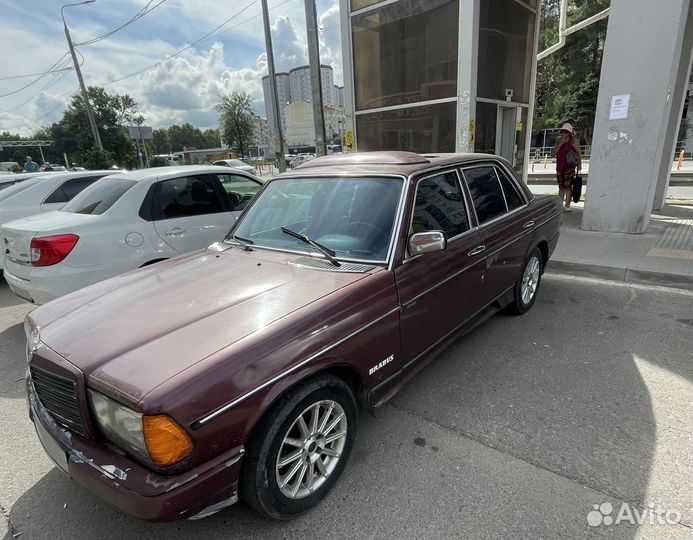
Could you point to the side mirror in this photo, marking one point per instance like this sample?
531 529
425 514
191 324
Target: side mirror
426 242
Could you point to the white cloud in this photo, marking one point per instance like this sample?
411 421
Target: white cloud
184 88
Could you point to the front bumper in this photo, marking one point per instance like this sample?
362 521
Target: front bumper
131 487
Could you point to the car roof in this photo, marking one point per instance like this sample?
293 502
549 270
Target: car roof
155 173
387 162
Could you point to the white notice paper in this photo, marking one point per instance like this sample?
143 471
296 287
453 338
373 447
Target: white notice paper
619 107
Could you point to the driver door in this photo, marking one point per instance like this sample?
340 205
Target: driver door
438 291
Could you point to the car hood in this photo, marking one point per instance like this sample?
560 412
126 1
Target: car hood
131 333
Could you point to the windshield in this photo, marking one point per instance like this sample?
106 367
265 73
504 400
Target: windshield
99 197
353 217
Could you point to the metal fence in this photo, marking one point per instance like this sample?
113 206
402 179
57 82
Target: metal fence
542 152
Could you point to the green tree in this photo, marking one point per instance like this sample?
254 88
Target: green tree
112 113
568 80
236 121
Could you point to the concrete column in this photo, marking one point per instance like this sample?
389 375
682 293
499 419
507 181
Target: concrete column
643 55
678 100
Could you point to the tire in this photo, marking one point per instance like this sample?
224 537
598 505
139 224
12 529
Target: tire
262 476
528 282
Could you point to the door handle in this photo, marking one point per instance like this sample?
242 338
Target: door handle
477 250
528 224
177 231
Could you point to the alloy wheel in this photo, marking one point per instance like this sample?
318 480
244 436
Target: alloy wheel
311 449
530 280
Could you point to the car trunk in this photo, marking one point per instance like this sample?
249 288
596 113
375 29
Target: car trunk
17 236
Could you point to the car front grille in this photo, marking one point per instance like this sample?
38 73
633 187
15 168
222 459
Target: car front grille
58 396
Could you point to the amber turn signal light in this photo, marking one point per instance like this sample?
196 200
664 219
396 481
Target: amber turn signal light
167 442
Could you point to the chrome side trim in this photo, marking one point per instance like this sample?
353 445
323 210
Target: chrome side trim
441 283
225 408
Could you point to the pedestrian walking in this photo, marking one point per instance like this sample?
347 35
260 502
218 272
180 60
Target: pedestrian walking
568 161
30 166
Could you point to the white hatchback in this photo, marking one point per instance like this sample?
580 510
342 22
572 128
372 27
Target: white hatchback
122 223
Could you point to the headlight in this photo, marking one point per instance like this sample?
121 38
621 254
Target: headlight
153 439
33 335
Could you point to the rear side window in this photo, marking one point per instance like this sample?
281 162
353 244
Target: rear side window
512 196
487 195
70 188
188 196
240 189
99 197
440 206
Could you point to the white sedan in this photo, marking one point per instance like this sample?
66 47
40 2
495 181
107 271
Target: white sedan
43 192
235 164
122 223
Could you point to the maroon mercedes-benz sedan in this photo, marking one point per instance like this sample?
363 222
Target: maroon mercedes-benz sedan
239 371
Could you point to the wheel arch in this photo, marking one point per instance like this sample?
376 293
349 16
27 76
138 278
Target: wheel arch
273 397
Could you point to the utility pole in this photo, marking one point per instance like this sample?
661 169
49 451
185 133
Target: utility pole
316 86
281 162
90 113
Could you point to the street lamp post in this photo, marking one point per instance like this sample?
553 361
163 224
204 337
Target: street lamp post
90 113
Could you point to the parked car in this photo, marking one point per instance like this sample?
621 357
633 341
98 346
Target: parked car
121 223
300 160
42 192
235 164
7 180
236 371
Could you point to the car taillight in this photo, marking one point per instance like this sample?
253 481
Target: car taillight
51 250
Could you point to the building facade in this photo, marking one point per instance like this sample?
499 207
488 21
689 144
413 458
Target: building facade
261 138
300 84
284 97
300 126
440 75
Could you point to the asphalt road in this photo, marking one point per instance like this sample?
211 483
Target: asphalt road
516 431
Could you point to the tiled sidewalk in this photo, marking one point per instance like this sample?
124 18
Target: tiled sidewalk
663 255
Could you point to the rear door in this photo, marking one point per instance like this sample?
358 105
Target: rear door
66 191
191 212
504 224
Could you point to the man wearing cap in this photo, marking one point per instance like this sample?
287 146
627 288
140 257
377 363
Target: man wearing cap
30 166
568 161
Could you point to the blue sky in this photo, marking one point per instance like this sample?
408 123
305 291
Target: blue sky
181 89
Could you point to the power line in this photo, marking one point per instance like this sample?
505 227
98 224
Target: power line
246 21
155 64
32 74
47 72
141 13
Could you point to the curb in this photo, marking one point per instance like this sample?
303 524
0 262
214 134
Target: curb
622 275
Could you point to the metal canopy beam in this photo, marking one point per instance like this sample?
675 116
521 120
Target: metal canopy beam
26 143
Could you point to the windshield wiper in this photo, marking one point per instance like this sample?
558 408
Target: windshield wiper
244 242
327 252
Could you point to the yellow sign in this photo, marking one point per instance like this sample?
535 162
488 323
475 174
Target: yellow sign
472 132
349 138
519 126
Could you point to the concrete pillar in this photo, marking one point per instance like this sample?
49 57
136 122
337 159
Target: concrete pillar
643 56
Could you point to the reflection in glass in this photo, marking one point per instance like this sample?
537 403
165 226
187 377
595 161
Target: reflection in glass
506 47
486 193
440 207
486 118
405 52
429 128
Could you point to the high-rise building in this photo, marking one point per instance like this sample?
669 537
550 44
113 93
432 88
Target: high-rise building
283 96
261 138
339 95
300 84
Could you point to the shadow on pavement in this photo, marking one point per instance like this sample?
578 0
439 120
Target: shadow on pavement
7 297
13 356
